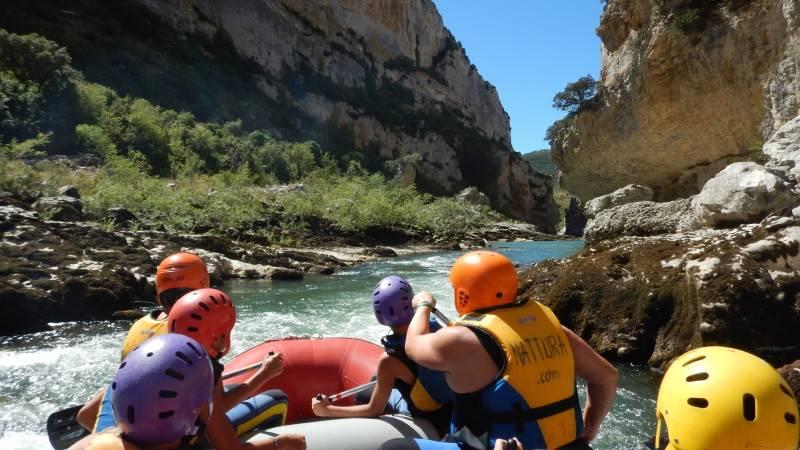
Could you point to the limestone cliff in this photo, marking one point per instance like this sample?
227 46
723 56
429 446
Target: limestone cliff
683 94
378 79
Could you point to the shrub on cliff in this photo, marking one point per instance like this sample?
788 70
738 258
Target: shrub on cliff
576 95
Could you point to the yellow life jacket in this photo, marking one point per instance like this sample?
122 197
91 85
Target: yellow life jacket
534 397
143 329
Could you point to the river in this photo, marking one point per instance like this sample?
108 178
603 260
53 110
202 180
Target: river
43 372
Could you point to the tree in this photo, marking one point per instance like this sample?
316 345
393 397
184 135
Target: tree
576 95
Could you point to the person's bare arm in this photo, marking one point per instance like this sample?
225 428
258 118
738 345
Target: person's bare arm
601 383
389 369
271 367
87 415
425 348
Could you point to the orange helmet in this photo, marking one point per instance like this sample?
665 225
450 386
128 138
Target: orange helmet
204 315
483 279
181 271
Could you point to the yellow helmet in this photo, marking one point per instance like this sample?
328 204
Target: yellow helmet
719 398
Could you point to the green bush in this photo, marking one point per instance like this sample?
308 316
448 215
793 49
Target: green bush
356 201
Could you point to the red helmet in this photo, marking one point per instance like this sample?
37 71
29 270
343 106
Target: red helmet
483 279
181 271
204 315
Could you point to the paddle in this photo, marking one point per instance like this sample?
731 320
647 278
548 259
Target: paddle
442 318
244 369
63 428
348 393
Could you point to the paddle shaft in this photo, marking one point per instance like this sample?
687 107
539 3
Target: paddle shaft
442 318
348 393
233 373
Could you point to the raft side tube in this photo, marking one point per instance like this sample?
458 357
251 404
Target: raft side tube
356 433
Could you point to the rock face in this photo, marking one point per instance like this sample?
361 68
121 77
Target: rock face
743 192
679 104
386 75
628 194
792 374
641 219
783 151
650 299
574 218
473 196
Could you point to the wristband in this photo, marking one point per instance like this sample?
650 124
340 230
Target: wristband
424 303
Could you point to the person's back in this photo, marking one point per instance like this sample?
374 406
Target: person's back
511 365
424 391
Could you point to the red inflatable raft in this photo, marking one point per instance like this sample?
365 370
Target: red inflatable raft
311 367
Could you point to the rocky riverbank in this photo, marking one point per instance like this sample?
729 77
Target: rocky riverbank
71 270
718 268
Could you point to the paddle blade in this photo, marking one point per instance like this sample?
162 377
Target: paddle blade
63 428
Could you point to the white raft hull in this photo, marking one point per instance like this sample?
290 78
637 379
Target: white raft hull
356 433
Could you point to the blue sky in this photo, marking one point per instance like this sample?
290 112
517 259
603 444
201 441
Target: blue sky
530 50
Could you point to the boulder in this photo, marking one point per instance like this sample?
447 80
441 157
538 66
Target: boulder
379 251
69 191
641 219
743 192
120 216
474 196
574 218
650 299
628 194
63 208
792 374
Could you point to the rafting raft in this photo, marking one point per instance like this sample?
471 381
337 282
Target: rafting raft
327 366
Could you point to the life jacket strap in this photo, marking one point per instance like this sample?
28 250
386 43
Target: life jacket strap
519 416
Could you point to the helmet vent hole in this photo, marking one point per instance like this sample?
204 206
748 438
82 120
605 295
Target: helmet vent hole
787 391
149 354
204 306
377 293
166 414
391 311
749 407
196 316
172 325
124 363
698 402
697 377
404 289
114 386
183 358
194 349
790 418
499 295
214 299
174 374
377 302
694 360
167 394
131 413
405 308
192 329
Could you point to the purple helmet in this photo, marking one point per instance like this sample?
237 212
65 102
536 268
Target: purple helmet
160 388
391 300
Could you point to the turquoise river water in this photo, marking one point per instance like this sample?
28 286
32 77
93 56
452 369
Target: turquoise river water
41 373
